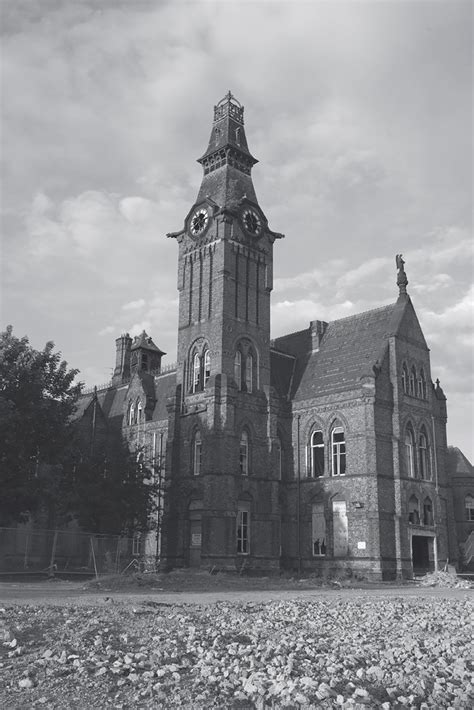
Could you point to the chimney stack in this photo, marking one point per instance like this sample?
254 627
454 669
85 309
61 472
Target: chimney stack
122 362
318 328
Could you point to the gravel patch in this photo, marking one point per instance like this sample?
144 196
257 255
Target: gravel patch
331 652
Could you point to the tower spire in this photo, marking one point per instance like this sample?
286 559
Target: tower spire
227 162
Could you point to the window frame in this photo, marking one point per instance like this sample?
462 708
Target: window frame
196 373
410 451
238 368
313 448
469 507
338 457
414 510
244 453
317 511
243 531
423 456
405 378
248 373
279 457
206 366
421 384
197 453
428 512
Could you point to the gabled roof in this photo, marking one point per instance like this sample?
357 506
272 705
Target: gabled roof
348 350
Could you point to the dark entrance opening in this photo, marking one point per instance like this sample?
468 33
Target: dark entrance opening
422 553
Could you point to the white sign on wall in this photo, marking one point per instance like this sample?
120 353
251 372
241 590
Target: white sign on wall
361 545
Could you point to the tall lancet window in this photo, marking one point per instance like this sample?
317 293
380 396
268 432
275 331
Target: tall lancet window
249 372
207 366
196 373
238 369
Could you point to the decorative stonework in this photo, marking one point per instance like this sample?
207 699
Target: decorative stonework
229 106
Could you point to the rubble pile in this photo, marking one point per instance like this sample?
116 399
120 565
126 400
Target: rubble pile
444 579
332 652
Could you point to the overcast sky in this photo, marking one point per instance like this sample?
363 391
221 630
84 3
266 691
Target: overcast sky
359 113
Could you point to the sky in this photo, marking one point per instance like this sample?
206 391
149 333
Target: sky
360 114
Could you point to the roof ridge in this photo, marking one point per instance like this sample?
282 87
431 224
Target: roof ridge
363 313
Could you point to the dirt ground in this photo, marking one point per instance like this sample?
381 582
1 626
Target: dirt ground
203 641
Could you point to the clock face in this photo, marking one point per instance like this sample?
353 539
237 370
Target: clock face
252 222
199 221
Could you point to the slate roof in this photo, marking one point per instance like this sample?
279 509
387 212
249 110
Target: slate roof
112 400
144 341
349 349
281 372
458 464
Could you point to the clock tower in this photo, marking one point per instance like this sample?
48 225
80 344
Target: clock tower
222 486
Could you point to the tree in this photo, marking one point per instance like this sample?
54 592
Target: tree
51 468
108 487
37 398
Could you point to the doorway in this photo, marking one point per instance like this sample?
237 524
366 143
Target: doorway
422 553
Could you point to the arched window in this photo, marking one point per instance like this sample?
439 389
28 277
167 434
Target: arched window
244 453
413 511
131 419
423 457
207 366
316 463
278 458
469 506
410 451
421 385
129 414
139 412
197 453
249 372
196 373
405 378
338 444
428 512
238 369
413 381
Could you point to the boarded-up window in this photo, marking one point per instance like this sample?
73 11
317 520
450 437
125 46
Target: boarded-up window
340 528
319 530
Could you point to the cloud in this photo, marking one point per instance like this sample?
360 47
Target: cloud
362 126
107 330
134 305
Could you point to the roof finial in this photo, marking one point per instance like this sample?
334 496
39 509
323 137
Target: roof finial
402 281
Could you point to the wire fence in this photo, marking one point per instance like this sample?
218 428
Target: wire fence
68 553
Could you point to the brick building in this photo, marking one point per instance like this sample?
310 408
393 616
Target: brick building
321 450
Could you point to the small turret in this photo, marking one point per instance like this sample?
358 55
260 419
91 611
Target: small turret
145 356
